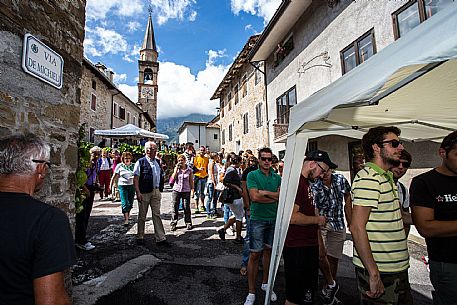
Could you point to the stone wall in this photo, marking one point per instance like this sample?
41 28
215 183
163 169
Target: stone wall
30 105
257 136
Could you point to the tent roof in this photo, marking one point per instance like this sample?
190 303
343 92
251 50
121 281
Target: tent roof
422 63
130 130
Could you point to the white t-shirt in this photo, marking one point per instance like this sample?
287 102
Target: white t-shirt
125 175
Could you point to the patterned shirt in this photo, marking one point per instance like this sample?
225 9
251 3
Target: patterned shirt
373 187
329 200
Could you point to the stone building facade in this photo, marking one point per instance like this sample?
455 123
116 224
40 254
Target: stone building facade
310 44
103 105
243 111
28 104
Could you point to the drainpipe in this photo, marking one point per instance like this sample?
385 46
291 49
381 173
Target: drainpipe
266 97
112 114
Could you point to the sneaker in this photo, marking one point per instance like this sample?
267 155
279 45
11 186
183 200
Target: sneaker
86 247
189 226
208 217
273 296
250 299
196 211
202 209
221 233
213 216
230 232
328 294
308 297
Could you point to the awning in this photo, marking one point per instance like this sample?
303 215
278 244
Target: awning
412 83
130 130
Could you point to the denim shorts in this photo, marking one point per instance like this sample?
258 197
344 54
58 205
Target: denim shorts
261 235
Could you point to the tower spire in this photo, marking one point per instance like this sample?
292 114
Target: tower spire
149 42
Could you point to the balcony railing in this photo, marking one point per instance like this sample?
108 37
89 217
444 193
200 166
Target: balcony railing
279 129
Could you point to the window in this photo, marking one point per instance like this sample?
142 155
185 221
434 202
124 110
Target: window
235 91
115 112
229 100
122 113
91 135
230 133
358 51
258 73
258 115
135 121
93 102
283 105
413 13
94 85
128 117
283 50
148 76
223 136
244 85
215 136
245 123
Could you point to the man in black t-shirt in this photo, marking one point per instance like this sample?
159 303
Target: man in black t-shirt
35 238
433 197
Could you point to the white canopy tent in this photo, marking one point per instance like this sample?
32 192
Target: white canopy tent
132 131
412 84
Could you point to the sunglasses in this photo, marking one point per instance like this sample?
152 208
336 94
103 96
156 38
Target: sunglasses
393 143
42 161
266 159
322 169
127 158
405 164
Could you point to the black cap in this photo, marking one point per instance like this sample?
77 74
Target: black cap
321 156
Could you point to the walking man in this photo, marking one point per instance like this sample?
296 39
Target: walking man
303 241
329 195
263 185
200 177
434 210
381 254
148 182
37 243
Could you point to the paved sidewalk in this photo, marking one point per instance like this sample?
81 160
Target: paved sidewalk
198 268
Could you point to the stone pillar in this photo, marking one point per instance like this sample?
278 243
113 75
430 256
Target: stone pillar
29 104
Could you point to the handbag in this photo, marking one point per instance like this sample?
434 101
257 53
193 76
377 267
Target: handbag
227 196
220 186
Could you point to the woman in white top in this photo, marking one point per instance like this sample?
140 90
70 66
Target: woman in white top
213 179
124 173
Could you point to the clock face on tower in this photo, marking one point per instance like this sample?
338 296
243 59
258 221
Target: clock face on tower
147 92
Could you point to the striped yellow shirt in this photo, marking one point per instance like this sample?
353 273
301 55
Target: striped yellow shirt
373 187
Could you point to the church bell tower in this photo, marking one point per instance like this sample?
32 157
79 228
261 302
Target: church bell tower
148 68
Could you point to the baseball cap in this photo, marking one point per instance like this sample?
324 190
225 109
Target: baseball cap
321 156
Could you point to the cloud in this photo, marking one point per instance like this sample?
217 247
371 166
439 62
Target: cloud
98 9
262 8
133 55
173 9
100 41
133 26
117 78
181 92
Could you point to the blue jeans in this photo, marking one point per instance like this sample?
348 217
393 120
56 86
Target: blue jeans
210 202
227 213
199 187
246 252
443 277
261 234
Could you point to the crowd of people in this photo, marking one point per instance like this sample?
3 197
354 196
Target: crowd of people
244 188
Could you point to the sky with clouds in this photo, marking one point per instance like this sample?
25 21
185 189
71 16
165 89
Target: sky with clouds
197 42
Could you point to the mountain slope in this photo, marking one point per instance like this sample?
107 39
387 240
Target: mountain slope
170 126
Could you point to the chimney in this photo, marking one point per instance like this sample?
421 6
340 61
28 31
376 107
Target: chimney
101 67
110 75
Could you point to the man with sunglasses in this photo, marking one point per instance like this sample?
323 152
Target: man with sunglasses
381 254
434 211
263 186
399 170
37 243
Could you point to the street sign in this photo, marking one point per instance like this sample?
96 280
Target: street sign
42 62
